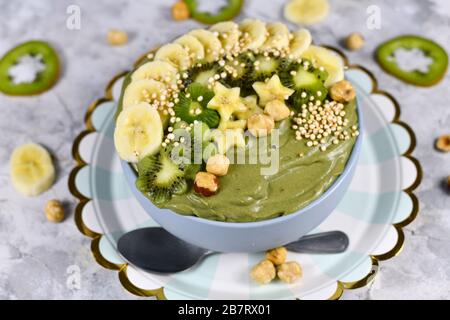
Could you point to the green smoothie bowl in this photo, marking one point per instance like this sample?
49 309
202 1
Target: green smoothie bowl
239 138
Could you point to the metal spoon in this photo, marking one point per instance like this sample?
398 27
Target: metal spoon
156 250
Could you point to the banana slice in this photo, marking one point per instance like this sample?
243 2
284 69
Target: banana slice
332 63
192 46
253 33
174 54
210 43
228 34
32 170
306 11
278 36
156 70
300 42
145 90
138 133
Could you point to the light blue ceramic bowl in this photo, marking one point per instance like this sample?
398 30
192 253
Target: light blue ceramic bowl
251 236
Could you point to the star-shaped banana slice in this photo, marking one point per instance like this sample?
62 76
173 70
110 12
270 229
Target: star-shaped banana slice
271 90
226 102
225 139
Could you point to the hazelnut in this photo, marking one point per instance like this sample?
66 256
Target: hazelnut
218 165
443 143
277 110
206 183
117 37
263 272
289 272
260 125
277 255
180 11
342 91
354 41
54 211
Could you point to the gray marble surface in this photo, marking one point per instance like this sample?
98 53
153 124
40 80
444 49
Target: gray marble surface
35 254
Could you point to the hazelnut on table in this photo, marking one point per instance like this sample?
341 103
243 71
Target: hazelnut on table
180 11
206 183
277 109
218 165
263 272
260 125
277 255
117 37
354 41
54 211
342 91
443 143
289 272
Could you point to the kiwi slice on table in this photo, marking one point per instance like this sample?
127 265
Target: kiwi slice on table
227 12
306 84
193 106
160 178
16 76
385 55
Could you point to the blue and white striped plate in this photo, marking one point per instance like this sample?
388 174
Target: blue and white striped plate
378 204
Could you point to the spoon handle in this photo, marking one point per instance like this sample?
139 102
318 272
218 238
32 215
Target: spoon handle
324 242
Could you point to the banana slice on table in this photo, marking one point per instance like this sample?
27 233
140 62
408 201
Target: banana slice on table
193 46
138 133
145 90
156 70
278 36
175 54
253 33
306 11
300 43
32 170
210 43
332 62
228 34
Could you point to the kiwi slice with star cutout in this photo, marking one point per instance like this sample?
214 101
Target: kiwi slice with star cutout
193 106
227 12
385 56
29 69
160 178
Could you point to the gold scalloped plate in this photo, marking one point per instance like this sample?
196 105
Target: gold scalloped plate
379 203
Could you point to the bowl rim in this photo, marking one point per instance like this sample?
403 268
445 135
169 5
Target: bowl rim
351 162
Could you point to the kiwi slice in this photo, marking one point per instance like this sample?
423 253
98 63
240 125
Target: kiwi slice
193 106
45 62
200 73
227 12
266 67
238 71
436 69
160 178
306 84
